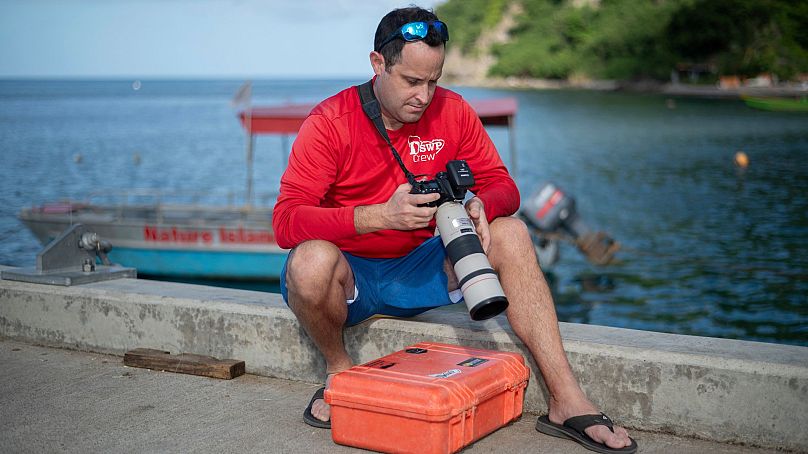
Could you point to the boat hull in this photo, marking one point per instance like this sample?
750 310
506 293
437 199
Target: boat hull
777 104
220 244
196 264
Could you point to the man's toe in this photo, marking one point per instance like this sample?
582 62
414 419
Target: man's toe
602 434
623 435
321 410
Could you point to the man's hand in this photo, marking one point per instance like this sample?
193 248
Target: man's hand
476 212
400 212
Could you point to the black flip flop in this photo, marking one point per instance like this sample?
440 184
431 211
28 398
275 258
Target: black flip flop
309 418
574 427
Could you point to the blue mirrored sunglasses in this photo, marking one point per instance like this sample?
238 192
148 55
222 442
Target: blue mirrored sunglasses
415 31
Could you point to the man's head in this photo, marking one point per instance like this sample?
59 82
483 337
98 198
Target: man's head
390 39
408 61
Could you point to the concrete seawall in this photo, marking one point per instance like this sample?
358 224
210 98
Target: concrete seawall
716 389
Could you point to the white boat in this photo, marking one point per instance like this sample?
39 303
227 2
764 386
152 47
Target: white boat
198 240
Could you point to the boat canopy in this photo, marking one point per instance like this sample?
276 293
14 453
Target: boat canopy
286 119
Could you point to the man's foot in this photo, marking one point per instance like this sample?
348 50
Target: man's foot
320 411
309 419
560 412
575 429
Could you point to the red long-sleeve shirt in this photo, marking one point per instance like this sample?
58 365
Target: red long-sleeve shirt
340 161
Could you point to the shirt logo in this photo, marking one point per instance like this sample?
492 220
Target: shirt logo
424 150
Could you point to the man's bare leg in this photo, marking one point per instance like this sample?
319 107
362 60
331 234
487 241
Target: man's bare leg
533 318
319 281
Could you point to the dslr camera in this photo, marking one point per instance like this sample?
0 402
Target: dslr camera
479 283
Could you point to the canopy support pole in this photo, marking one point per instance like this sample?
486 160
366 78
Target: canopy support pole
250 144
512 145
285 150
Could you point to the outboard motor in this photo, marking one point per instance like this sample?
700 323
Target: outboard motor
551 212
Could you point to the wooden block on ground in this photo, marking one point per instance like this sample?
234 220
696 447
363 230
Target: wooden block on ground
184 363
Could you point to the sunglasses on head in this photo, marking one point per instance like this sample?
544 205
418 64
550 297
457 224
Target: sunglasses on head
415 31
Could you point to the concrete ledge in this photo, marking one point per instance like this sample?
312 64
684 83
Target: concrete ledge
716 389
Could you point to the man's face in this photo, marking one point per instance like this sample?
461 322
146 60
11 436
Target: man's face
405 90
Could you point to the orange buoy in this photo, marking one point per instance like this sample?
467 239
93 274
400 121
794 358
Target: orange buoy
741 159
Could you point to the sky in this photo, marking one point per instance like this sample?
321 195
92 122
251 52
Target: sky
190 38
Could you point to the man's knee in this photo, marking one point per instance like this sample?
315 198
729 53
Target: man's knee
510 234
312 264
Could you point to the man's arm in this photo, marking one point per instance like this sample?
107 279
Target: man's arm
312 170
400 212
313 166
494 186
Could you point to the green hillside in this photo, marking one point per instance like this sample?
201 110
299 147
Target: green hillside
633 39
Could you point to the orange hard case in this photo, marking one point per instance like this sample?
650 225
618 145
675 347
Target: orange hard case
427 398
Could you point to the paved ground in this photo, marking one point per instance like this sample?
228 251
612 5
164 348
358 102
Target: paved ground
56 400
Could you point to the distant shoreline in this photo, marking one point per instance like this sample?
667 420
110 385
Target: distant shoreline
784 90
680 89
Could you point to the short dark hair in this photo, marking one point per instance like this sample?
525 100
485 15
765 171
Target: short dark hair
396 19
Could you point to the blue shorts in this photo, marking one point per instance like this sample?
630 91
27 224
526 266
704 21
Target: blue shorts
399 287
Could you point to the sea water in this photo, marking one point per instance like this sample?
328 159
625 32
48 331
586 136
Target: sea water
707 248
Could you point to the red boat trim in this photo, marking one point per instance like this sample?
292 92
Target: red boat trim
287 119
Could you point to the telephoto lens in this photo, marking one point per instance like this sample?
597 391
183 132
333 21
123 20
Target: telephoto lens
477 280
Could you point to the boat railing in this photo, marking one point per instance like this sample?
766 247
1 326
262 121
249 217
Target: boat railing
159 197
161 204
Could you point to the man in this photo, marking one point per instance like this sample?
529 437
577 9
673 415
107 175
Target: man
363 245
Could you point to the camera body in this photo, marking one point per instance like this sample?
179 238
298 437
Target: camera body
451 185
476 278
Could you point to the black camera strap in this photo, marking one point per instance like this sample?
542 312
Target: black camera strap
372 109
